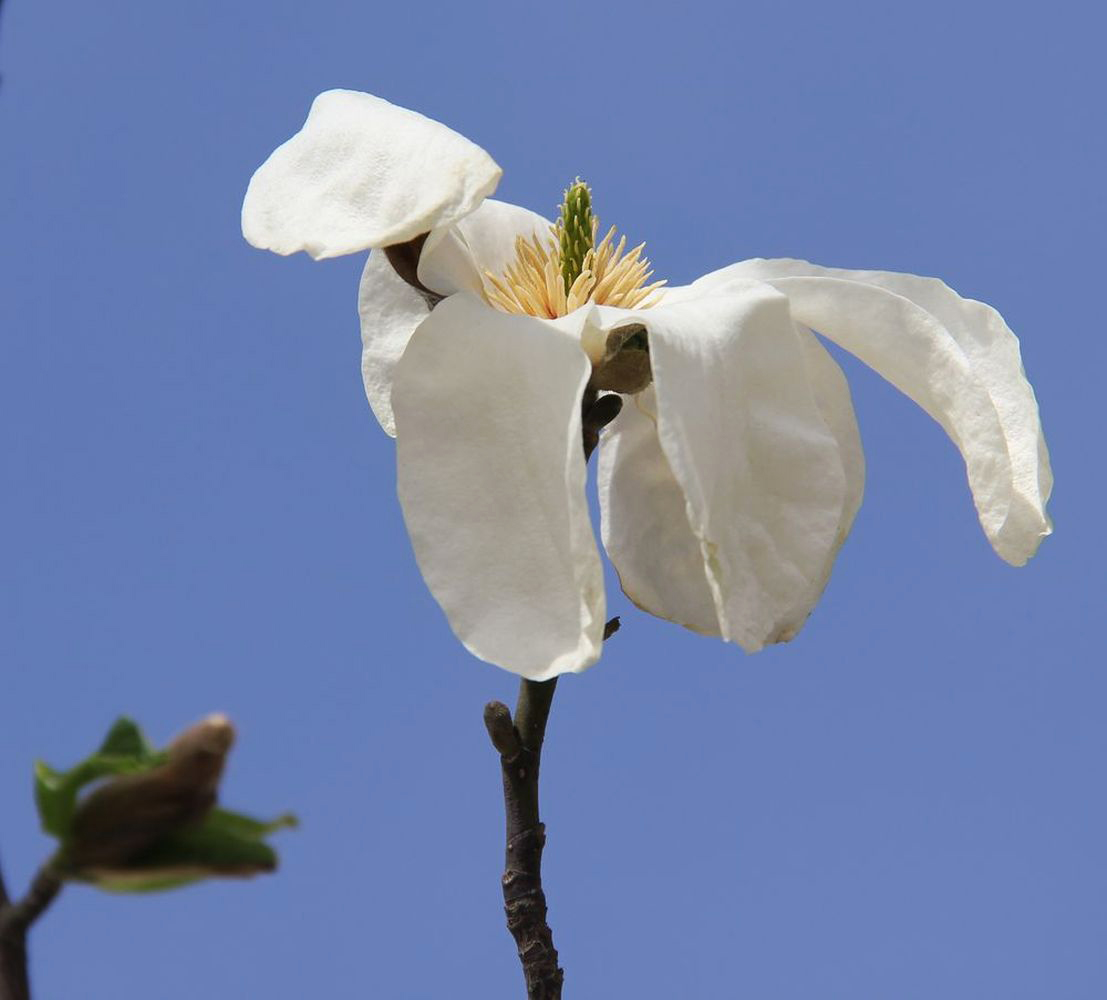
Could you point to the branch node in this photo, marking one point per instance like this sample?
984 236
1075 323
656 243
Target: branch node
501 730
15 921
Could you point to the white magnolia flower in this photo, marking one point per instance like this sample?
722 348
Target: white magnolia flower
731 477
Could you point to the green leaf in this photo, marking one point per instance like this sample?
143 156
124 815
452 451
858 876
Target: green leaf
246 826
226 844
137 881
125 739
50 799
123 751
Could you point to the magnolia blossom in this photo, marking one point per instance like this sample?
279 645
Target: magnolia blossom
732 475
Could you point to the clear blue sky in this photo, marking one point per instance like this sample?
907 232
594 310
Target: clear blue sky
198 511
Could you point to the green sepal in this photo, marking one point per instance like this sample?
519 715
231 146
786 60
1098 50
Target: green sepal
226 844
126 739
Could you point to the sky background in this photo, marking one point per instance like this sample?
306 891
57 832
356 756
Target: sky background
198 511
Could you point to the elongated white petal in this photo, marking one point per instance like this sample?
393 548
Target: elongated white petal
454 259
946 353
363 173
760 472
644 522
390 310
491 479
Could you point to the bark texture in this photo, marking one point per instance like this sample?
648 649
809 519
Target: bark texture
15 921
519 743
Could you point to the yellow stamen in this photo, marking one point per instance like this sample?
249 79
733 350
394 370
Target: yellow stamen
533 285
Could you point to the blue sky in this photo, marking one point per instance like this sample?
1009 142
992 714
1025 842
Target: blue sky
198 511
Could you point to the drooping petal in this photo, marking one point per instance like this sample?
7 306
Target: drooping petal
832 397
455 258
760 472
363 173
390 310
956 358
644 522
491 479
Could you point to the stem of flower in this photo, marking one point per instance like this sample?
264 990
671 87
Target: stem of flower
15 921
520 747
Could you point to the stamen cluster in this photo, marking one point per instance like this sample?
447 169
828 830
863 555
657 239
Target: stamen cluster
554 274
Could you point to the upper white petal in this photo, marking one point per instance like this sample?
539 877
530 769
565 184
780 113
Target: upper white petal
760 472
956 358
491 479
363 173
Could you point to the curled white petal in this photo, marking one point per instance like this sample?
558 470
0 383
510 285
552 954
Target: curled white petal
363 173
455 258
390 310
945 352
957 359
491 479
759 471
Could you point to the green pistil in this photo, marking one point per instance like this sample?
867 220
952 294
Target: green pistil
576 231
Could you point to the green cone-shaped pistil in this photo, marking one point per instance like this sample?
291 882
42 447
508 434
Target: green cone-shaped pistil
576 231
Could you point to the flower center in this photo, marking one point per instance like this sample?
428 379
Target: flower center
555 273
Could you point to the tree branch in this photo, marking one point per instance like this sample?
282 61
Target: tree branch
4 898
15 921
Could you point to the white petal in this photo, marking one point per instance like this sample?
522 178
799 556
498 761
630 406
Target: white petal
644 522
945 352
363 173
390 310
832 396
761 474
491 478
454 259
